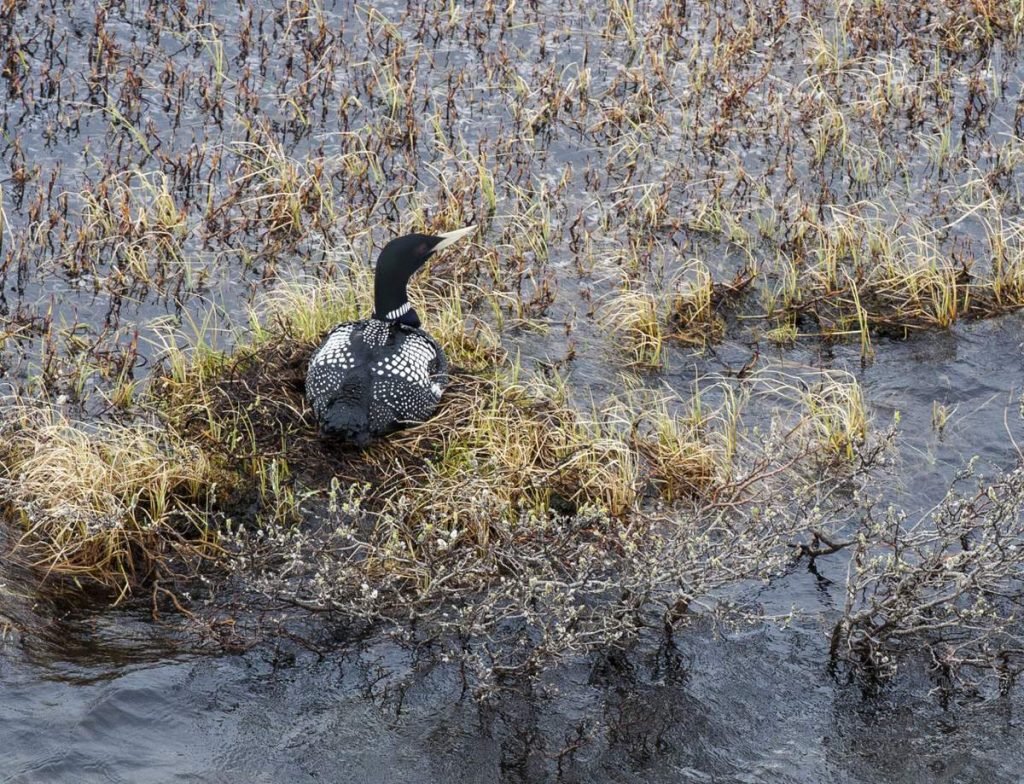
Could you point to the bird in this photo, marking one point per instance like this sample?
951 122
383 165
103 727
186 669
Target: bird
371 377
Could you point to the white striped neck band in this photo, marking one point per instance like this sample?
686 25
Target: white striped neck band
398 312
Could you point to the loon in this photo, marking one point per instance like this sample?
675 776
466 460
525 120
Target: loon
374 376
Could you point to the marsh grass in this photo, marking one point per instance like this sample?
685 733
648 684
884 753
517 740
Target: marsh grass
637 319
866 280
941 414
829 407
682 445
864 163
494 440
1004 291
691 313
289 196
103 503
689 310
838 415
134 221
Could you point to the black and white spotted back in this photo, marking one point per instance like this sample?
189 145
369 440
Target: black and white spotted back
372 377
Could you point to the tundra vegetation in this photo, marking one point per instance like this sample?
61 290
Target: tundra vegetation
192 194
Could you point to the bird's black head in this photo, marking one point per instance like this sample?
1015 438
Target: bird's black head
396 264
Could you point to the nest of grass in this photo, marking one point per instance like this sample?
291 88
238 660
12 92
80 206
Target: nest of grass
492 442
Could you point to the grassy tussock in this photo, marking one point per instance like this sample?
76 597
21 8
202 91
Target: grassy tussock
1006 286
838 415
497 443
636 319
683 451
830 409
861 279
692 313
103 502
688 311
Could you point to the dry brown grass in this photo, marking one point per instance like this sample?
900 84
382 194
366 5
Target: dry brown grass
636 319
105 503
691 313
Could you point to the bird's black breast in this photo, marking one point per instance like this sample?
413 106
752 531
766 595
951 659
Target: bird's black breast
370 377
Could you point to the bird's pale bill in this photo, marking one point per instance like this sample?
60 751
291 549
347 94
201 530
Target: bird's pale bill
452 236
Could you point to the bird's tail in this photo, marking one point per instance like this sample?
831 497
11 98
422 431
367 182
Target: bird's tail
343 420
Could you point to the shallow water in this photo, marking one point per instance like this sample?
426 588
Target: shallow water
94 694
752 707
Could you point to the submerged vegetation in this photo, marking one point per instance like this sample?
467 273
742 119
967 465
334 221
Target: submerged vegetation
189 197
